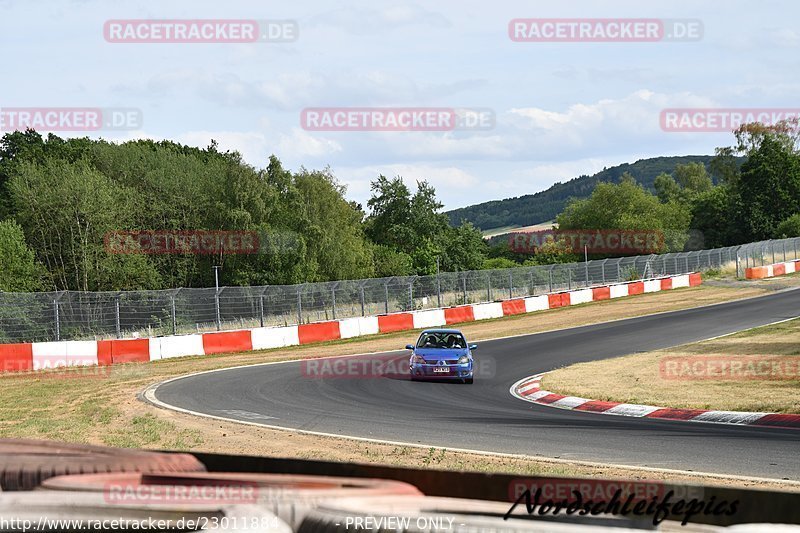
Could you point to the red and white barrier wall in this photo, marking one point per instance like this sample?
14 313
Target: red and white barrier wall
43 355
770 271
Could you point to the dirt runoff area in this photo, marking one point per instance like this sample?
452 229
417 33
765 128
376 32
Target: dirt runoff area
99 405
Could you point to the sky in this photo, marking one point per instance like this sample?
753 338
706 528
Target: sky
557 109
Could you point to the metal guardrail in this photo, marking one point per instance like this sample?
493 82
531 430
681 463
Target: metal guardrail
69 315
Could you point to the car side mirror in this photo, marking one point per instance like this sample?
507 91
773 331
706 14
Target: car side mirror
409 346
473 346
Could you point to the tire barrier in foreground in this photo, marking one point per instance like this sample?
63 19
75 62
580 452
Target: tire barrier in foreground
290 497
24 464
23 357
769 271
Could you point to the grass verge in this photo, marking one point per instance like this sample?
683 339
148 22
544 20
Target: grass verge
757 370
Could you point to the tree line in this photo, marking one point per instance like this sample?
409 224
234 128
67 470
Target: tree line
59 198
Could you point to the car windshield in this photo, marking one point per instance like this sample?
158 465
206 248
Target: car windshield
441 340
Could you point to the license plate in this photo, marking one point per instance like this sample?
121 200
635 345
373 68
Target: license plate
441 370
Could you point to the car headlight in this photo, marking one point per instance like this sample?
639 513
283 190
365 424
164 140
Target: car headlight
417 360
464 359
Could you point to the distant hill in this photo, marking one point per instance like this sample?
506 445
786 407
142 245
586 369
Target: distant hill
545 205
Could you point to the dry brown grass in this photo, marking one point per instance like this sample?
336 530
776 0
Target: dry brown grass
644 379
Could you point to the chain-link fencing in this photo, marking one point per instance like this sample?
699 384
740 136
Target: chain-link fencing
70 315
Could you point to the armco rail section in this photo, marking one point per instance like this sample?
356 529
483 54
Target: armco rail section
22 357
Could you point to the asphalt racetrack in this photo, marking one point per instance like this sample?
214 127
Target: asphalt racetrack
484 416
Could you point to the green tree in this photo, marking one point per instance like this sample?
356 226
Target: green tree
693 179
21 272
413 225
65 210
667 189
768 191
498 262
789 227
628 206
712 216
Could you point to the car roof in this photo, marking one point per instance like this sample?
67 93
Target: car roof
441 330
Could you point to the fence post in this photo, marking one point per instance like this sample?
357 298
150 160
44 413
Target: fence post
361 294
569 279
174 316
488 287
619 274
56 317
411 295
550 274
116 316
216 306
603 268
464 284
299 304
386 301
510 285
438 287
261 308
333 300
737 264
784 250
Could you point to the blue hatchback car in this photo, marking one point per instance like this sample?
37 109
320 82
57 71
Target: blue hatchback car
441 354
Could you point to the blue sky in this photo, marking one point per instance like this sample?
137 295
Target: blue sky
561 109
